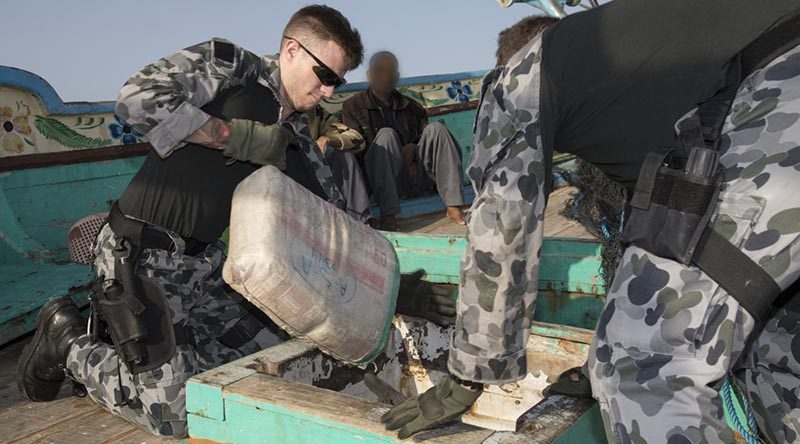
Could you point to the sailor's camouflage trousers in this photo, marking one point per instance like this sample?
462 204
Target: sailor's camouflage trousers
200 301
500 270
669 335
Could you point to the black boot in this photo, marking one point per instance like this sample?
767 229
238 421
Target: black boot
40 370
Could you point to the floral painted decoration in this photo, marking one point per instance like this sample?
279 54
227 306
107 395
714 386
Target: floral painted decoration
123 132
16 128
458 91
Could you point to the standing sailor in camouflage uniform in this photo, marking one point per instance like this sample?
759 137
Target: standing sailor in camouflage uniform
213 114
608 84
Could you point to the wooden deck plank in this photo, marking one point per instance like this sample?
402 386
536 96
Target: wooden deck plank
66 419
425 223
9 394
93 425
139 436
70 419
28 418
555 225
299 409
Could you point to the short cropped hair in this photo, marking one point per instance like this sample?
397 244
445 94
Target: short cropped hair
515 37
321 23
380 55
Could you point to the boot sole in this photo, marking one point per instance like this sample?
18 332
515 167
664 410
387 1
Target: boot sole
50 308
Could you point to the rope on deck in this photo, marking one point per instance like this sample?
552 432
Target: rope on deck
732 398
599 206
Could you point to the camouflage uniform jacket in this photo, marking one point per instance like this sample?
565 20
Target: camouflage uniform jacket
164 100
499 276
323 123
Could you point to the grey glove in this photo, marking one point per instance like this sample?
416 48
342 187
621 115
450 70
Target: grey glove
426 300
442 403
258 143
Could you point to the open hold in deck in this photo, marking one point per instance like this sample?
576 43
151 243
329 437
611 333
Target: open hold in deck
294 393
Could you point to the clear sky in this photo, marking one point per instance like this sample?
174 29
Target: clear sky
87 49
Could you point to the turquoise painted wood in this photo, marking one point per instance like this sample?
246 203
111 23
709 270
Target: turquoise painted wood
257 422
37 207
571 288
236 404
216 415
569 264
587 429
206 388
46 201
460 125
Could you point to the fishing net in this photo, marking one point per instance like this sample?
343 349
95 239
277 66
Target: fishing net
599 206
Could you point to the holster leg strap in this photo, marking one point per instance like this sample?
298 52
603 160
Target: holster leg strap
734 271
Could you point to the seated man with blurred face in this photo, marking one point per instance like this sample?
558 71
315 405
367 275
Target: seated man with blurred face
340 145
406 155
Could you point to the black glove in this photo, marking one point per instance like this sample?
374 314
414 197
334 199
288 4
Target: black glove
258 143
572 383
426 300
442 403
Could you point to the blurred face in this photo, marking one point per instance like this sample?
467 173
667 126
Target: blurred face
383 74
300 73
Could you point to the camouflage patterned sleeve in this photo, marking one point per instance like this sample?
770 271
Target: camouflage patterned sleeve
163 101
340 135
499 277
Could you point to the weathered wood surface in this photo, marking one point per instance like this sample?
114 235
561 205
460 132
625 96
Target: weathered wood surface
67 419
555 225
317 411
239 401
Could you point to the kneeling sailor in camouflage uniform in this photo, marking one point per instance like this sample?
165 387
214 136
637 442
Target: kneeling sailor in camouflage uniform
213 114
609 84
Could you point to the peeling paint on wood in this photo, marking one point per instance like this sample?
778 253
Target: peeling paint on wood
414 360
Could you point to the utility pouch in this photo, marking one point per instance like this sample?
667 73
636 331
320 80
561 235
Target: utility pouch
677 193
138 318
674 198
673 202
139 326
133 308
122 314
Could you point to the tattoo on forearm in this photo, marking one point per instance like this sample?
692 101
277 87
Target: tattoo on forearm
214 134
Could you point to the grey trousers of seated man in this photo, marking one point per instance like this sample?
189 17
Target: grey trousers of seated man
438 165
350 180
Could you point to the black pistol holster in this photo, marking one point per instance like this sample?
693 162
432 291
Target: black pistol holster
132 309
678 188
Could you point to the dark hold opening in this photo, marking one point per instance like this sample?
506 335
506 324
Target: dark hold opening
8 126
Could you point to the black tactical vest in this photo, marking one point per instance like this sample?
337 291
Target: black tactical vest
190 191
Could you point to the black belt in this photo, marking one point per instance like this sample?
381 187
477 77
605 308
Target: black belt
146 235
242 332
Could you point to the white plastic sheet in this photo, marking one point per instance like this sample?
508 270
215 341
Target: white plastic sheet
314 270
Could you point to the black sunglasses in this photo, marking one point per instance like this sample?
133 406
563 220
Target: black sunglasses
325 75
